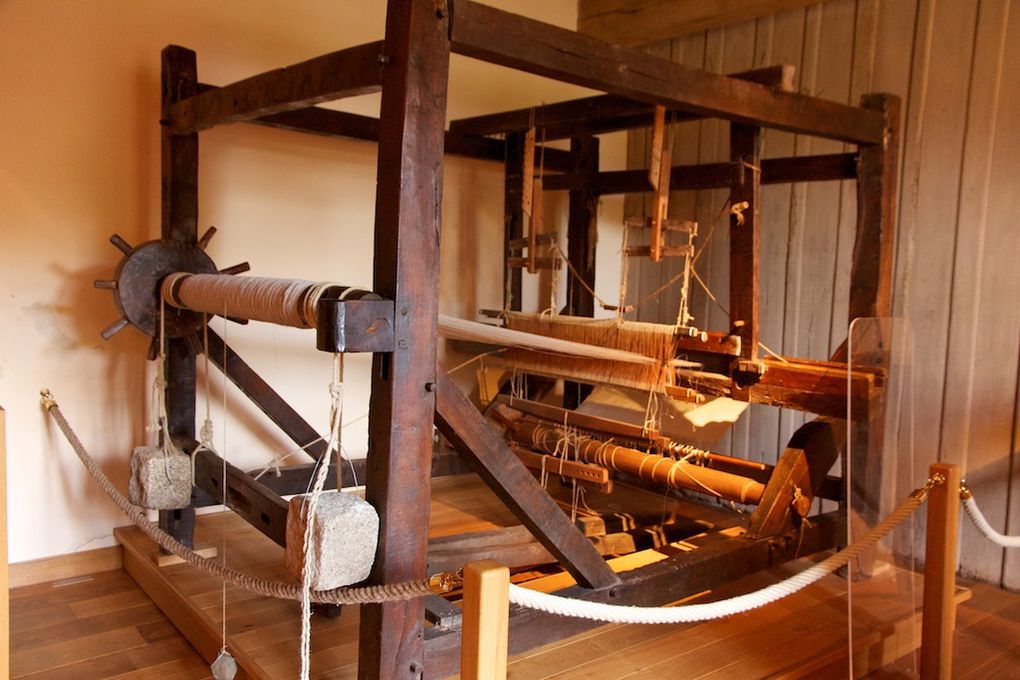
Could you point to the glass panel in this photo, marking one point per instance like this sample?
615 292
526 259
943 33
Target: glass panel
884 585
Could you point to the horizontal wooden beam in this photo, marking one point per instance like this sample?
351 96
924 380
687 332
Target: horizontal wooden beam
632 23
247 497
316 120
510 40
347 73
601 113
712 175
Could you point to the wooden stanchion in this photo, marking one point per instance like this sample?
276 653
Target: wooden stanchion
486 607
939 616
5 616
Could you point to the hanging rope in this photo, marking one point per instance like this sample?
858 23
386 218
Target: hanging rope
308 572
442 582
611 613
976 516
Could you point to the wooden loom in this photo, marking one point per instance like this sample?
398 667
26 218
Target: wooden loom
397 321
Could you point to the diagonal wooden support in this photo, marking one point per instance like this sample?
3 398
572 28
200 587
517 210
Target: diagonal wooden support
473 437
264 396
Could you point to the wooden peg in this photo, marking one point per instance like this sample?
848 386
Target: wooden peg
486 607
528 171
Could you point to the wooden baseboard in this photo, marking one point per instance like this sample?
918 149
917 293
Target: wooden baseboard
71 565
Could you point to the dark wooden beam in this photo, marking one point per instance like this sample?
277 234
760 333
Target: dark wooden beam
474 438
256 503
823 168
875 241
745 238
264 396
642 22
346 73
510 40
601 113
513 217
582 226
716 559
798 477
582 237
316 120
406 270
179 178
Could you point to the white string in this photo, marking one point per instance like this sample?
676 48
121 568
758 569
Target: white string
223 482
308 572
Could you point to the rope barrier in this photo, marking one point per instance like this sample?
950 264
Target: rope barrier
612 613
976 516
442 582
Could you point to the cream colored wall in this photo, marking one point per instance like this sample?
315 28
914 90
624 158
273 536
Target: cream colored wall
80 147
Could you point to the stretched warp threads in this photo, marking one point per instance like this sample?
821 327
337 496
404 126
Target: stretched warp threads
656 343
442 582
612 613
986 529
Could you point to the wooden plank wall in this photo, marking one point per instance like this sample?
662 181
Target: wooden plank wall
956 64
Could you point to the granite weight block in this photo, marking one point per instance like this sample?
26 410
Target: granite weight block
160 481
345 535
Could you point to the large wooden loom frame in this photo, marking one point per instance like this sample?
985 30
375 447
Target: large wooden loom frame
410 67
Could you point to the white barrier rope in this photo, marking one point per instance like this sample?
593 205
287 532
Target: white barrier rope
976 516
614 613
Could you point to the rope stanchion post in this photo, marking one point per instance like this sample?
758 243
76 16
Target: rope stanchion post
939 615
483 651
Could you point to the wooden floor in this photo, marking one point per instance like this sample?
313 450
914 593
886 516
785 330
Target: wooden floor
104 626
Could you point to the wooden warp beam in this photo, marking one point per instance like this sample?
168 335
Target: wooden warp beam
288 302
659 469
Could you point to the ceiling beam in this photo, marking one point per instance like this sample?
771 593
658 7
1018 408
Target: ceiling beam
633 23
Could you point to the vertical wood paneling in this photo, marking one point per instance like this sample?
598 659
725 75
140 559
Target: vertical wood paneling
788 35
956 64
970 296
993 421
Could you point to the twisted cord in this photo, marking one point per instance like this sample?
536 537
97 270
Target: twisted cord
986 529
612 613
388 592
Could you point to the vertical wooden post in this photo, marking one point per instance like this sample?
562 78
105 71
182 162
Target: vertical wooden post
483 650
582 224
745 237
5 613
938 618
180 224
513 216
415 68
582 236
871 271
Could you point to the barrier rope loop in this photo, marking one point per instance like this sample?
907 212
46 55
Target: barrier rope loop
612 613
986 529
442 582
